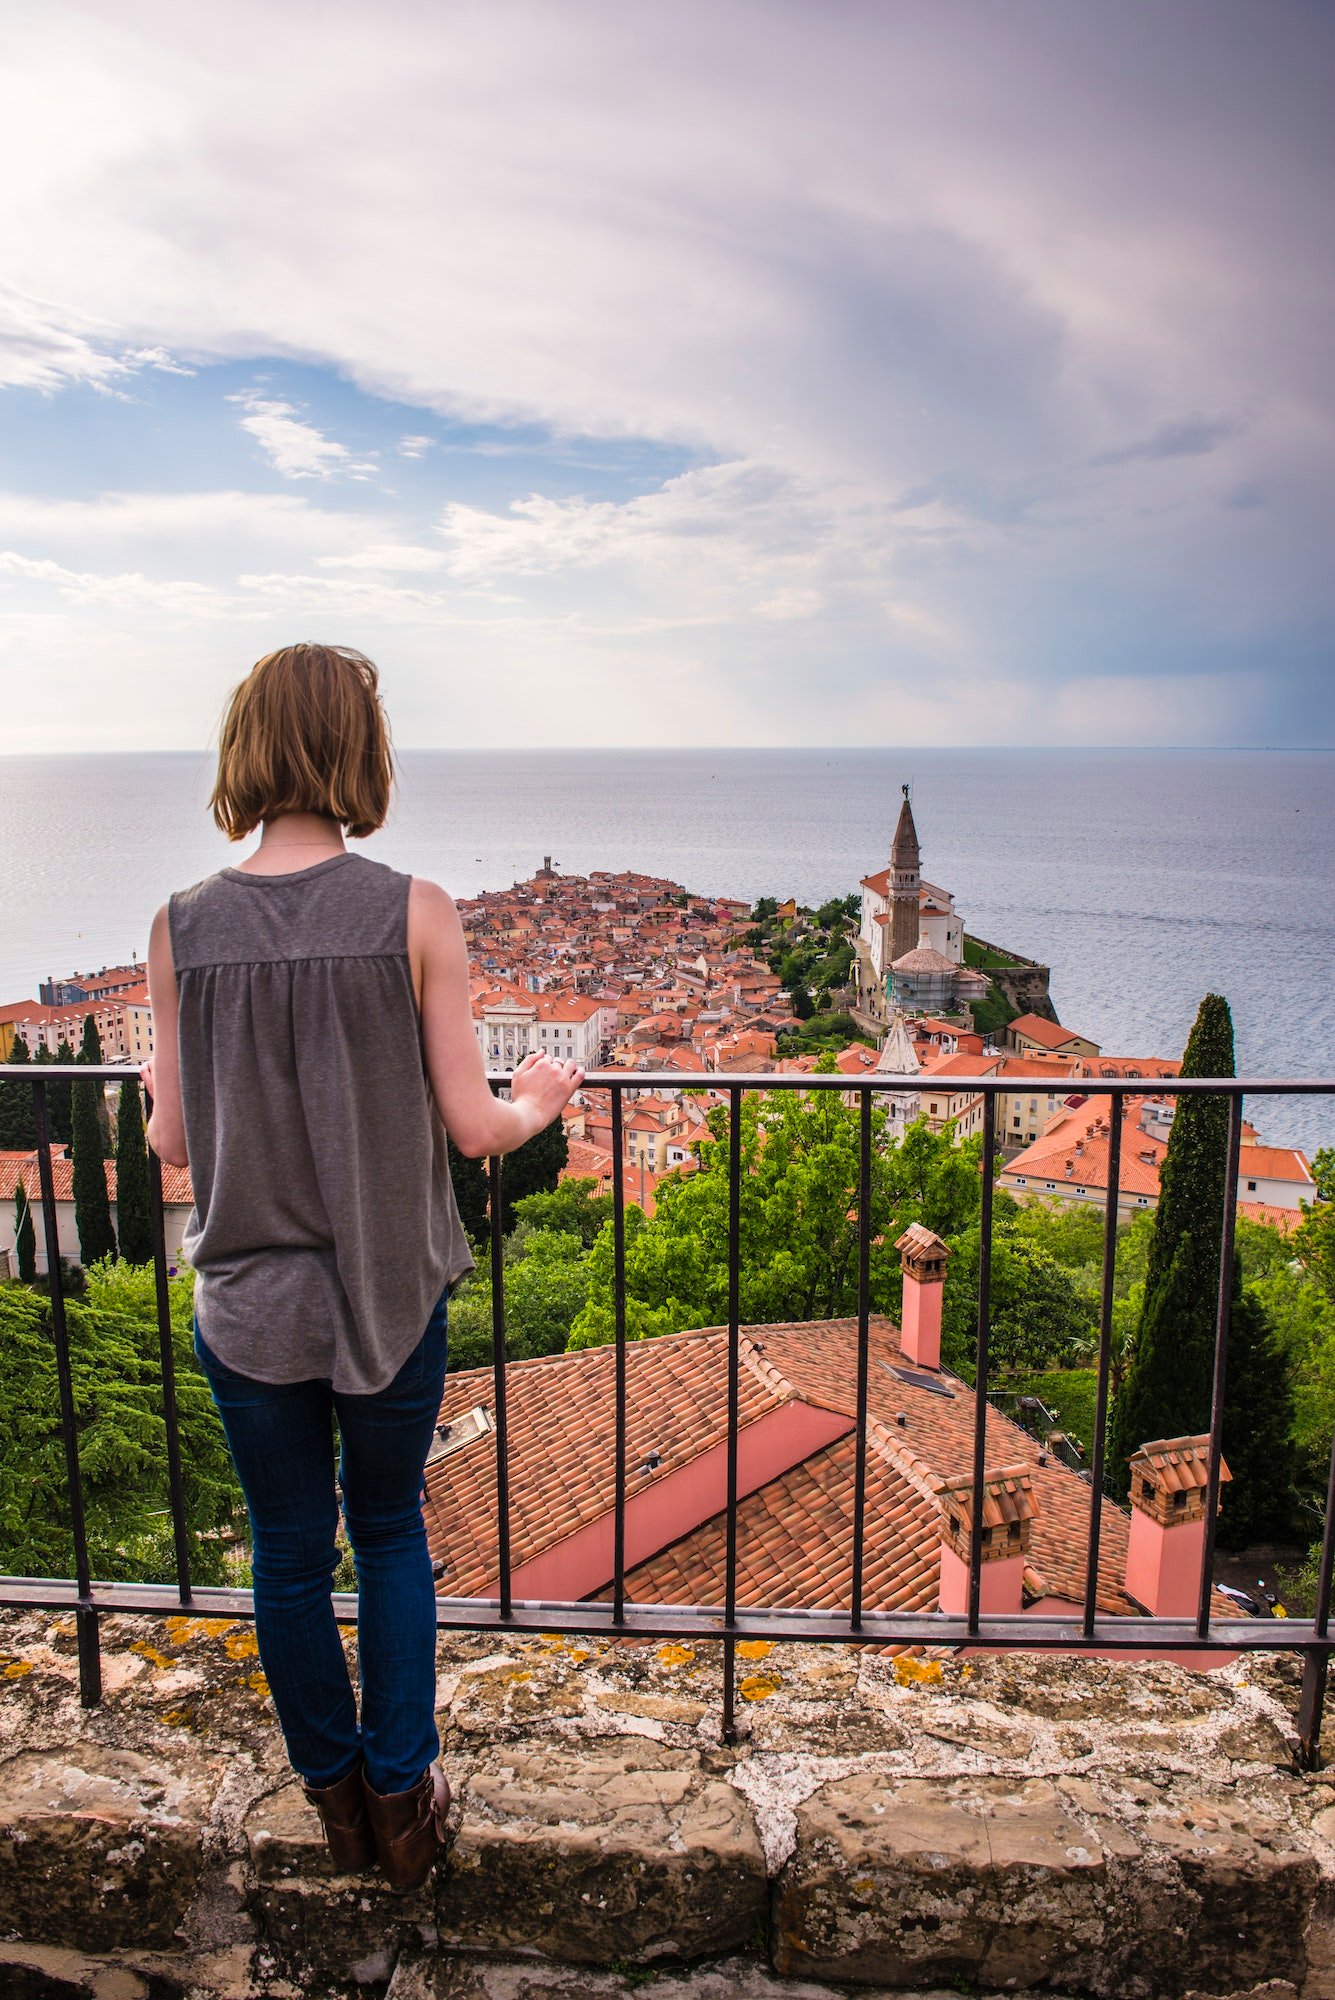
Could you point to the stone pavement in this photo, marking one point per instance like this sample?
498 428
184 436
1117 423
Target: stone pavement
987 1825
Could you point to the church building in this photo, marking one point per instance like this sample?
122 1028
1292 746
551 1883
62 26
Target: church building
910 947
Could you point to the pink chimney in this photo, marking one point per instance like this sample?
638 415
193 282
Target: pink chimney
923 1259
1163 1558
1009 1509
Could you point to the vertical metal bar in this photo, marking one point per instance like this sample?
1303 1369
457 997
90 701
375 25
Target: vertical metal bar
1312 1701
864 1287
1223 1314
166 1352
734 1367
1105 1358
498 1378
619 1307
85 1618
980 1370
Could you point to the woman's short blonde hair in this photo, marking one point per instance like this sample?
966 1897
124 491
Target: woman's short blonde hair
305 732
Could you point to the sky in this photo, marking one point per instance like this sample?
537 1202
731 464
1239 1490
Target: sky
908 372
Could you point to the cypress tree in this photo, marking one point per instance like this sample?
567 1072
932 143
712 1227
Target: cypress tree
18 1122
134 1214
1167 1391
92 1208
1260 1502
25 1236
59 1103
90 1051
533 1168
471 1192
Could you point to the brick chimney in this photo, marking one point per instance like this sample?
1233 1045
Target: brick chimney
1163 1559
1009 1508
923 1259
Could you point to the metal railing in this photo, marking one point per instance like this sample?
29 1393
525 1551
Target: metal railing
729 1621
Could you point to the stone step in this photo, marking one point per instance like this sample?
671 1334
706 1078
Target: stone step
884 1827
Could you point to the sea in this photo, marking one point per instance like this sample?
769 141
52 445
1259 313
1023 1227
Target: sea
1143 878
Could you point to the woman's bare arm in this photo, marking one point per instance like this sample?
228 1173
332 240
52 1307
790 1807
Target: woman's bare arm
478 1122
162 1071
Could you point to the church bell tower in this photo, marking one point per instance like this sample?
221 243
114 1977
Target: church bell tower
905 883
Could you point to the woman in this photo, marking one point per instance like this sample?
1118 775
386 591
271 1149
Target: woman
313 1042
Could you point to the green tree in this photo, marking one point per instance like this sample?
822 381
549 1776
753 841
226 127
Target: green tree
25 1236
545 1291
470 1192
533 1168
59 1098
134 1214
18 1124
114 1362
1167 1392
92 1206
1314 1243
90 1051
1038 1318
798 1226
1260 1504
573 1208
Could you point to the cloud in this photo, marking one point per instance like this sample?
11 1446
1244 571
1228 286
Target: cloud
1185 437
294 448
43 346
898 353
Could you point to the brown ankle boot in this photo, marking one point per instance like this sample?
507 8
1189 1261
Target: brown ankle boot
346 1822
409 1827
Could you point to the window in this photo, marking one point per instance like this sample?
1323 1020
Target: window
1251 1187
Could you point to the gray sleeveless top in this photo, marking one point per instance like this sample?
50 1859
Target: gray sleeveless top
324 1228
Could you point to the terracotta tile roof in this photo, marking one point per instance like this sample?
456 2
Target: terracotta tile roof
1282 1219
176 1189
562 1426
1274 1163
795 1543
794 1532
1050 1034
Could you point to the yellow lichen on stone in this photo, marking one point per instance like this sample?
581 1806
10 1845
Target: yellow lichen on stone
182 1631
14 1670
579 1654
242 1646
759 1687
910 1673
754 1649
178 1718
257 1683
676 1656
151 1654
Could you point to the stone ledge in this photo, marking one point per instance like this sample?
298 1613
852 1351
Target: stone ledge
1126 1832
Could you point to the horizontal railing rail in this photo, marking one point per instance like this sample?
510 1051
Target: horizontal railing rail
728 1620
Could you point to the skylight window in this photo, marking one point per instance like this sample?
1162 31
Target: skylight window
460 1432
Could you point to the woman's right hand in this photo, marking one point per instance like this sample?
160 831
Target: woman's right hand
542 1086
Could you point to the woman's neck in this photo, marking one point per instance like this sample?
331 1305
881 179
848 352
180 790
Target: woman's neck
294 841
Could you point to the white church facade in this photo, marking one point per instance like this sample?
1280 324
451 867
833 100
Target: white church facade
910 944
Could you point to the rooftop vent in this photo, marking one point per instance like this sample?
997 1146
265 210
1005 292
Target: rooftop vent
453 1437
651 1462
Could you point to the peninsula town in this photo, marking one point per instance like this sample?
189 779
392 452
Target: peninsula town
633 972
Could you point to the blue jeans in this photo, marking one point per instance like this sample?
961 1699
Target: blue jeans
281 1440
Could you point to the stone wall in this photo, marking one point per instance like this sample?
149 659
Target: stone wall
884 1825
1025 984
